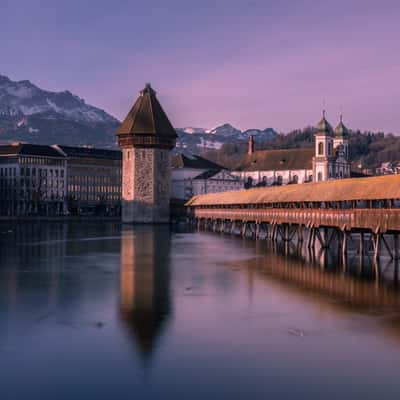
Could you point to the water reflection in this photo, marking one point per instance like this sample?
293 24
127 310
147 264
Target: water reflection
199 309
322 274
321 280
145 304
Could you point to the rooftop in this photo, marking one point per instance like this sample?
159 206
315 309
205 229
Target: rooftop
29 149
277 160
373 188
147 117
72 151
194 162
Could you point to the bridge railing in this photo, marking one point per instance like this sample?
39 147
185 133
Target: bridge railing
376 220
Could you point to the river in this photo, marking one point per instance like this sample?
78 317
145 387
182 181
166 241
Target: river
95 310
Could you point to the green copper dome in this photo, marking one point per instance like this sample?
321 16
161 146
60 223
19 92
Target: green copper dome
341 131
324 126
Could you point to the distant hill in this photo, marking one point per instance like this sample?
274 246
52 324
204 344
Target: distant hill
367 151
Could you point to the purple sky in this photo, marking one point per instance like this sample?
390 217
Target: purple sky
251 63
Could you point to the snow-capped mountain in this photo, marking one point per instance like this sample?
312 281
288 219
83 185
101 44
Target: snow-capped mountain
24 99
196 139
31 114
193 131
224 130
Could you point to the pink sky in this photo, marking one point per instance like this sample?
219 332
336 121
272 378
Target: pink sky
250 63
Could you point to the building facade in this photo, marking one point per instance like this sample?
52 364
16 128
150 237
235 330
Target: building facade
93 180
32 180
146 137
327 160
192 175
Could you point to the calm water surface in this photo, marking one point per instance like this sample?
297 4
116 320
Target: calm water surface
100 311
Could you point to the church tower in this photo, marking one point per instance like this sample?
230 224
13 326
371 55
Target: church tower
324 158
341 137
341 146
146 137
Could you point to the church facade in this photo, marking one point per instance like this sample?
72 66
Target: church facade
328 159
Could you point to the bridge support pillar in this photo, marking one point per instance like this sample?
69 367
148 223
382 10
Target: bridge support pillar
396 246
257 230
244 228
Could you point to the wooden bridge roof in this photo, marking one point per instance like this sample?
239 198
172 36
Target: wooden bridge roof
373 188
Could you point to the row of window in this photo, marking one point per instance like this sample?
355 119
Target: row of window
94 189
32 182
26 171
40 161
95 197
92 179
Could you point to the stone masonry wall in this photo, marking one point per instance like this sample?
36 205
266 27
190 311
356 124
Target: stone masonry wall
162 183
145 189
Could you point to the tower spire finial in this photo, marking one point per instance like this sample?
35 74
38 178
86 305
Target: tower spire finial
323 113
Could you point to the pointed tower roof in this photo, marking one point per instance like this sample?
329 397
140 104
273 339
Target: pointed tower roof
147 119
341 131
324 126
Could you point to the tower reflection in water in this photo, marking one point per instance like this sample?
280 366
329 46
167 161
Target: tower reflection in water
145 305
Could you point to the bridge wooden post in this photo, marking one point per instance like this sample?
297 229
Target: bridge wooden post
244 227
285 232
376 243
310 237
300 238
268 228
344 244
272 235
257 230
361 250
396 246
319 237
314 237
214 225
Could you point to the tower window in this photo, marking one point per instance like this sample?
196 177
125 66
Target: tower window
320 148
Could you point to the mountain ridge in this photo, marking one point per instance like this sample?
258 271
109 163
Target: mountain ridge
31 114
34 115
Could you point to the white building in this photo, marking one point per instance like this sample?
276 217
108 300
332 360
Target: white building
192 175
32 180
327 160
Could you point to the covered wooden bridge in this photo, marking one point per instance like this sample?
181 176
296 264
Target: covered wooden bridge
316 213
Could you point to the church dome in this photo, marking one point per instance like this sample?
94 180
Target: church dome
324 126
341 131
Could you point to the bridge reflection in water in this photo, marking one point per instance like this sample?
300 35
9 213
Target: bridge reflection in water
321 280
145 303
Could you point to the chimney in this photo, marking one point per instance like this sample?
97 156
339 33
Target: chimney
250 150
